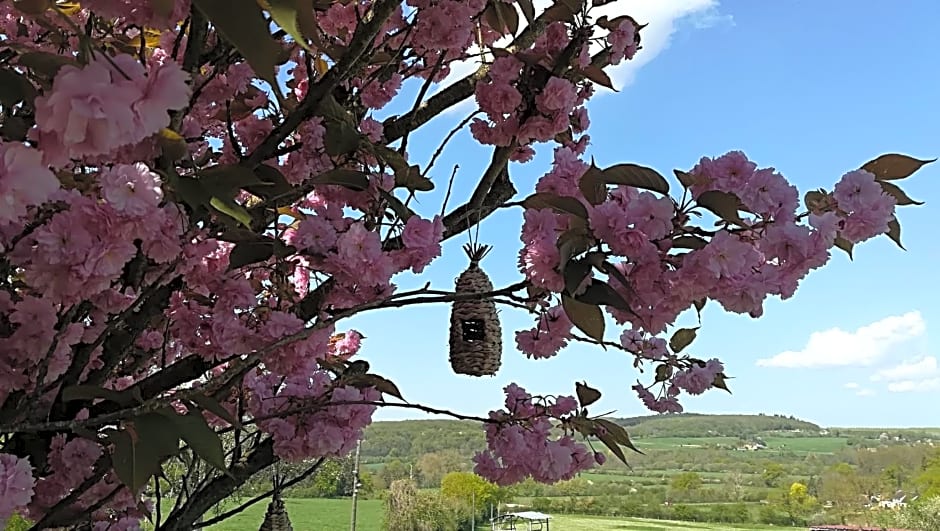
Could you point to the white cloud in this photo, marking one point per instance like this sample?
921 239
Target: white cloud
864 392
921 369
863 347
851 385
914 386
661 15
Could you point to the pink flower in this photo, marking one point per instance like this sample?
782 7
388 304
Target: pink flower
558 95
497 99
422 239
549 336
24 181
100 107
132 189
16 484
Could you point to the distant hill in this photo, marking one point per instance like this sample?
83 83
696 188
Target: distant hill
409 439
699 425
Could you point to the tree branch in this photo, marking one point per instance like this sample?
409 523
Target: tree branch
361 42
295 480
396 127
220 488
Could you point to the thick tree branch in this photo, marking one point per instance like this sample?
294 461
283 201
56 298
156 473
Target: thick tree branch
287 484
396 127
220 488
351 61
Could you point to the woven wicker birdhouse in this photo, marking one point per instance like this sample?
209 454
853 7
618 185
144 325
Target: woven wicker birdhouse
276 518
476 346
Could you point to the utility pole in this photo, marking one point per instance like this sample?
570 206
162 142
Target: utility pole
355 489
473 510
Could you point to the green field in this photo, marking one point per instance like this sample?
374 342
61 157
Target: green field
590 523
333 515
310 515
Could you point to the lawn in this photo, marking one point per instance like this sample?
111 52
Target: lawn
310 515
820 445
592 523
333 515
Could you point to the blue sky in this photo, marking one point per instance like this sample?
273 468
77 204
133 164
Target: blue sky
814 89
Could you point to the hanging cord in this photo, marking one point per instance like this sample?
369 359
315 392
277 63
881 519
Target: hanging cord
276 480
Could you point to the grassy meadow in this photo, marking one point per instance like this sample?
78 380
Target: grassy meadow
334 515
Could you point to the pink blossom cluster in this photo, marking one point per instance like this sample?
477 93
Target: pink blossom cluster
550 335
768 253
520 443
24 182
863 208
518 121
16 485
328 432
105 105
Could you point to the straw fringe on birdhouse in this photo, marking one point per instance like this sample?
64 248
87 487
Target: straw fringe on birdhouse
476 345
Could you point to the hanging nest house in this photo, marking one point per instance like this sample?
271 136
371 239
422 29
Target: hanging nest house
276 519
476 345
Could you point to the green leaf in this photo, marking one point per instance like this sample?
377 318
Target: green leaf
390 157
592 185
600 293
894 232
15 88
528 10
815 200
617 433
242 23
224 181
340 138
207 403
571 243
204 441
285 13
402 211
685 179
845 245
273 184
899 196
565 205
383 385
689 241
597 75
575 271
140 448
682 338
636 176
191 191
47 64
725 205
611 444
413 180
586 395
663 372
586 317
352 179
720 382
249 252
502 17
232 210
93 392
894 166
558 12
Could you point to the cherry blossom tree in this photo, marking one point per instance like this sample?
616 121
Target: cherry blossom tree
194 195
